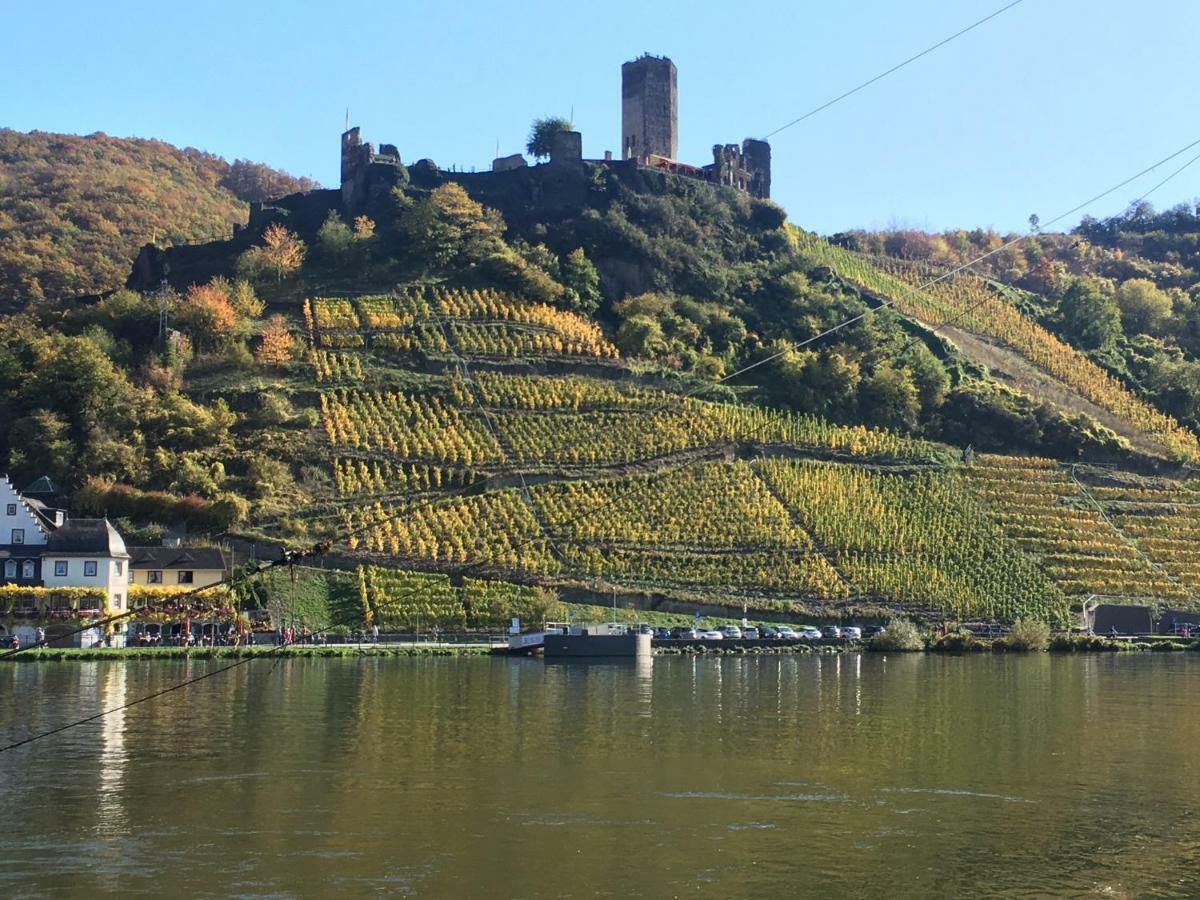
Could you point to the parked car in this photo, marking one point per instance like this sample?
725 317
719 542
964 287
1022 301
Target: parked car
810 633
786 633
732 633
869 631
711 635
852 633
831 632
684 634
662 634
750 633
768 632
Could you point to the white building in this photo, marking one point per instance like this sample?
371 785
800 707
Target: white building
41 547
88 553
25 524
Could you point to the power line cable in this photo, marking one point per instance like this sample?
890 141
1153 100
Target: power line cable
961 314
895 68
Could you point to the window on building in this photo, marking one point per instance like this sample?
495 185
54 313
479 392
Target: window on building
120 567
11 509
154 576
116 601
186 577
18 536
10 568
89 568
27 569
60 568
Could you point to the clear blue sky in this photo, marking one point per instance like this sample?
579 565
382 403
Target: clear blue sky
1032 112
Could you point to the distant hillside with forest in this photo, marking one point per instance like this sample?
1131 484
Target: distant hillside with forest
75 210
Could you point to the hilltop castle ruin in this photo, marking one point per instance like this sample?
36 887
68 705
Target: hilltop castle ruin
649 144
649 138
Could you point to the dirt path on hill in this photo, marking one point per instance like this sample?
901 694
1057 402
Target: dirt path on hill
1016 371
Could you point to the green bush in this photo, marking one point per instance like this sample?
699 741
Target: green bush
1028 635
1167 646
900 635
960 642
1082 643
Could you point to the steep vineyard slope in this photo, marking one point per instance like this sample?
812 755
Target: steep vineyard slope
436 403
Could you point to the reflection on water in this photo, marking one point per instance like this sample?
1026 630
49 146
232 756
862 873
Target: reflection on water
734 776
112 759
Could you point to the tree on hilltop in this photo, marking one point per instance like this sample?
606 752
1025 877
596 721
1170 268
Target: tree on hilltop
541 135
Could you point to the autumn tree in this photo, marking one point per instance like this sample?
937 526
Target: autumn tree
276 346
281 254
449 227
209 316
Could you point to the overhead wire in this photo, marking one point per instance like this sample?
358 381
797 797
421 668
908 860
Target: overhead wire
961 314
870 81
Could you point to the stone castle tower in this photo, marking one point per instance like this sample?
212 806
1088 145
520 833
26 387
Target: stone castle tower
649 108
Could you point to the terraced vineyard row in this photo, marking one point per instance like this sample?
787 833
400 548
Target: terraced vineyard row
972 305
419 601
409 427
495 530
356 477
915 539
433 428
783 572
476 323
1042 511
706 505
335 367
1162 518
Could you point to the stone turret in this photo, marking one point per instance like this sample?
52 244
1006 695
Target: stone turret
756 156
649 108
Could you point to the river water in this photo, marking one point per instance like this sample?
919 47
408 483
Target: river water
849 775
